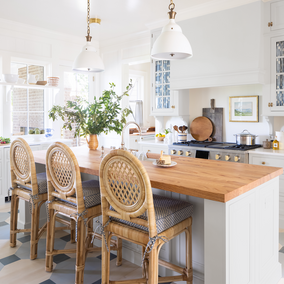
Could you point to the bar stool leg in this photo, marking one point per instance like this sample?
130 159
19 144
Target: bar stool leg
188 235
119 252
105 260
153 267
89 233
80 252
72 238
14 220
145 265
50 242
34 231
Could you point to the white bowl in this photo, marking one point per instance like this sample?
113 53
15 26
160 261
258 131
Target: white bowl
10 78
21 81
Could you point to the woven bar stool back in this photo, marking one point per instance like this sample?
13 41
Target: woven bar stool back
128 210
126 187
64 174
25 186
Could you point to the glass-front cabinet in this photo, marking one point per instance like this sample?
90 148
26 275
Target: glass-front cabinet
162 98
277 74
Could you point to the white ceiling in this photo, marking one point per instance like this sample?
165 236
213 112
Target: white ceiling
119 18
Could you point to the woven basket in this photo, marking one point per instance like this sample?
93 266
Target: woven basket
53 81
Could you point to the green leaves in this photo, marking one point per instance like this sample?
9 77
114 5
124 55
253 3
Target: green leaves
101 116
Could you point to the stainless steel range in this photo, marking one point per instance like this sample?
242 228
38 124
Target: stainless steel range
222 151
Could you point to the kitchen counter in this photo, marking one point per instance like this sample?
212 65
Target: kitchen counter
235 219
267 152
209 179
143 134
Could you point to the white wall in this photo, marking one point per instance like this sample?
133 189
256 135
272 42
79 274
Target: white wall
200 98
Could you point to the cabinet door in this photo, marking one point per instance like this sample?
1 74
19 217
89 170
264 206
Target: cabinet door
276 15
277 74
162 96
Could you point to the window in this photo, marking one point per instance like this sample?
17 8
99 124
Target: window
27 105
75 85
136 97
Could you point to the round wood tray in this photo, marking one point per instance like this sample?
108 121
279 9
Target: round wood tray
201 128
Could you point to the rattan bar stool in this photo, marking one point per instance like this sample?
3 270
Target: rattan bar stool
28 186
130 211
70 197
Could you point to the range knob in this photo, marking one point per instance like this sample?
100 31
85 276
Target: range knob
173 152
217 157
227 157
188 153
180 152
237 158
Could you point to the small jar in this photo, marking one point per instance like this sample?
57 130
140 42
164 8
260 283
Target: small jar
266 144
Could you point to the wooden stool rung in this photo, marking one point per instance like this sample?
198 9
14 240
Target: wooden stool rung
136 281
171 266
171 279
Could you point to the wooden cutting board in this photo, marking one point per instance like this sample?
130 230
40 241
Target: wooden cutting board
216 116
201 128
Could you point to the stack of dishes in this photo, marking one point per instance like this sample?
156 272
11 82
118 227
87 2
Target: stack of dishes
53 81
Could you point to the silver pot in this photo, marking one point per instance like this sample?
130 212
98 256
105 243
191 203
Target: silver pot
245 138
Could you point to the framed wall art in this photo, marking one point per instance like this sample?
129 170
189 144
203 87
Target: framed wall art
243 109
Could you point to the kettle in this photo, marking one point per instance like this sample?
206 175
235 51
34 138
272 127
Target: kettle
32 79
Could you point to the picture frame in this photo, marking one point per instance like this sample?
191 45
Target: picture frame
243 109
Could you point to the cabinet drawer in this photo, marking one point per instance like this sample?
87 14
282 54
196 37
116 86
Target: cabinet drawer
267 161
1 154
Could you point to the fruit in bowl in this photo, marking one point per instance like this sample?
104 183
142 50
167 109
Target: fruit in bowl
160 136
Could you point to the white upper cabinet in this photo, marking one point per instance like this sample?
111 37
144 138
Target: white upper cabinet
274 55
276 15
227 49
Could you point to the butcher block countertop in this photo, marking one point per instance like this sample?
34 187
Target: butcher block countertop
208 179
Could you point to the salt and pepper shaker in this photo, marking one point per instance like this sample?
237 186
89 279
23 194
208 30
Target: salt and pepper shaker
103 151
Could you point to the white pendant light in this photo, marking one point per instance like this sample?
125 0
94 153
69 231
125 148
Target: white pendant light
172 43
88 59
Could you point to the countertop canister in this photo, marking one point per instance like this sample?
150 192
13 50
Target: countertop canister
280 138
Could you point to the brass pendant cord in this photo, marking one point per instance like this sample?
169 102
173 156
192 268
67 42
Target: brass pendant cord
88 37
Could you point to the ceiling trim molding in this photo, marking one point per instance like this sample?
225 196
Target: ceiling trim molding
201 10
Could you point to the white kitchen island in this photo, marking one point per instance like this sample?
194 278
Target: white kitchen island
235 221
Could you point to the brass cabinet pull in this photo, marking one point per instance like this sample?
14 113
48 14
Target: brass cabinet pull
263 163
270 24
173 107
136 140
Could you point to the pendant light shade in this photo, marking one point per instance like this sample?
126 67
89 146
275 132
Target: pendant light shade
88 59
172 43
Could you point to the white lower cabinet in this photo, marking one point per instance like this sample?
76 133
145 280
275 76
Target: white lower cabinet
154 148
135 139
272 161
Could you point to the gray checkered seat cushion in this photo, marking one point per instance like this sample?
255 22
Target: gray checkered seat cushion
168 211
91 192
41 181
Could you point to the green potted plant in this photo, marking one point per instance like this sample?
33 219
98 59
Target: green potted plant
101 116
